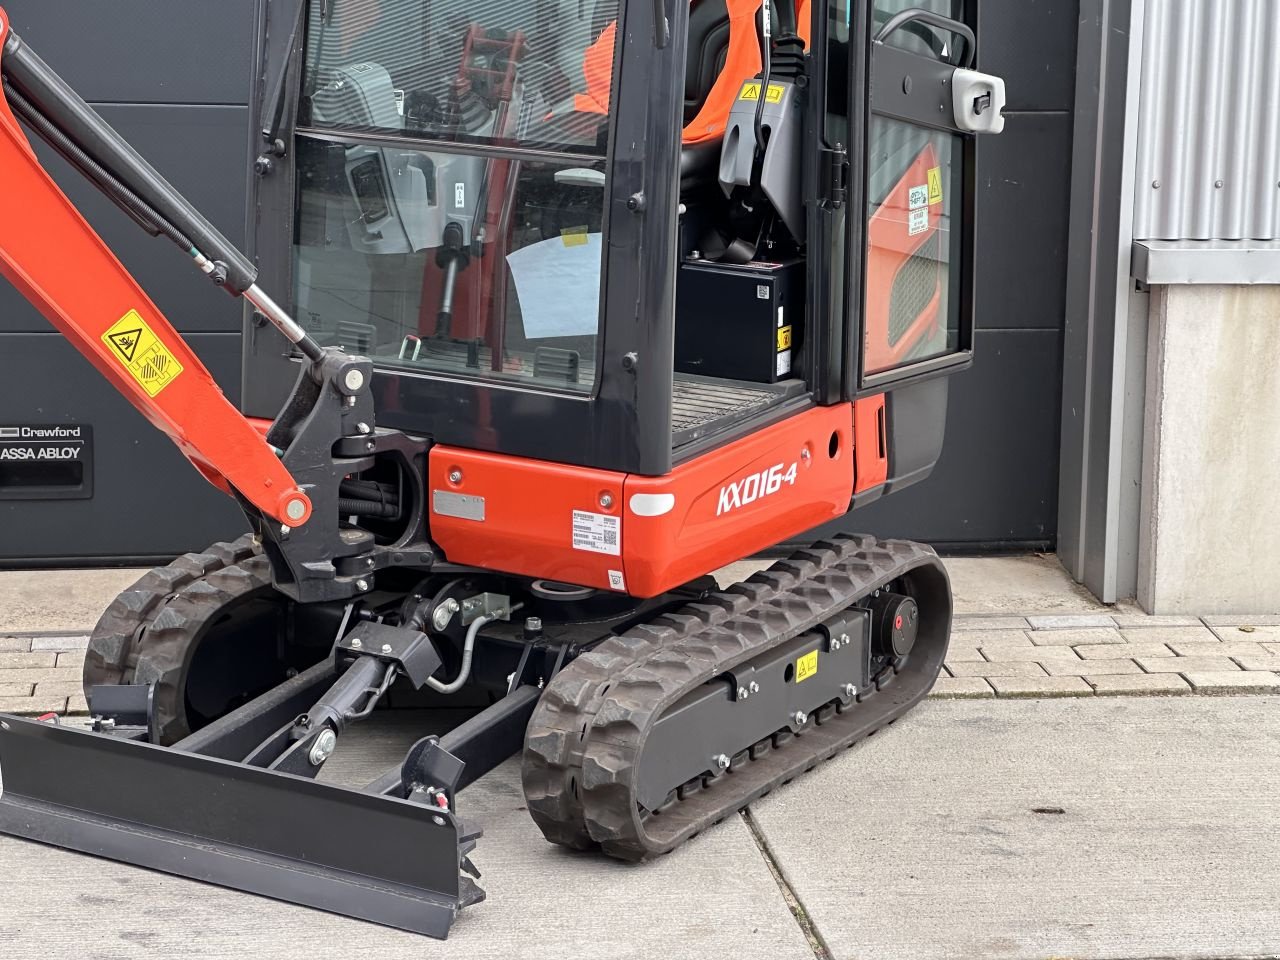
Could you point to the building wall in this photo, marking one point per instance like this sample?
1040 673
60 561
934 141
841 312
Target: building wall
1212 451
1208 159
176 79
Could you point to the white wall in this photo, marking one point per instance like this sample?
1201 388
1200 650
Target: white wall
1210 514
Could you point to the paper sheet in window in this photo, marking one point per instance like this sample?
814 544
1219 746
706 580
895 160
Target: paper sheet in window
558 283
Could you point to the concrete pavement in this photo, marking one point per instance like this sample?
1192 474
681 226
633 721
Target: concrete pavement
938 838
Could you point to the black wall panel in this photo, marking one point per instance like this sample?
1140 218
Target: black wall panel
147 499
174 78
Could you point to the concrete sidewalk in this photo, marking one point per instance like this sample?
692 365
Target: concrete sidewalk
1103 828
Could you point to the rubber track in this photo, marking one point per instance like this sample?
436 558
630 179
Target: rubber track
584 746
143 635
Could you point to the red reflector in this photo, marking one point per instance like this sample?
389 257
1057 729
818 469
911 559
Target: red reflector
47 718
897 622
442 801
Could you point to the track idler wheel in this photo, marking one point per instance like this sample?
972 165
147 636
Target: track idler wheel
894 621
208 631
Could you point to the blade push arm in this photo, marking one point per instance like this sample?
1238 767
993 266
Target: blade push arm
59 263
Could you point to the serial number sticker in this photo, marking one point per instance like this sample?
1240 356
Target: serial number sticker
935 185
597 533
918 221
141 353
784 363
807 666
918 197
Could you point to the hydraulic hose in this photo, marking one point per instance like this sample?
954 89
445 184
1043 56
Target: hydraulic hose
766 66
367 508
468 648
146 215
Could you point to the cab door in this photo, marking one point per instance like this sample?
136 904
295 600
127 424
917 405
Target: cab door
926 106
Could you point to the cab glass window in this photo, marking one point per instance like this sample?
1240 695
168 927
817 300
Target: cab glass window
451 185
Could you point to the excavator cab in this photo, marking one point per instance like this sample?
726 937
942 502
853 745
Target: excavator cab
552 311
481 200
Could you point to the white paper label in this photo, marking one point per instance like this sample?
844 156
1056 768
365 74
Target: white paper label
617 581
919 221
762 291
459 195
597 533
918 196
784 363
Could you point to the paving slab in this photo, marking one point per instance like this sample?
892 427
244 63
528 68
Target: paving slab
1040 687
961 687
1239 681
1246 631
1165 847
1139 685
715 897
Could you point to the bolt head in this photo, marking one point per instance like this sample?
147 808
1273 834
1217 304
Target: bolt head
356 644
753 687
296 509
364 428
722 761
443 613
743 693
455 475
606 500
850 691
362 585
805 454
323 748
800 718
353 380
386 648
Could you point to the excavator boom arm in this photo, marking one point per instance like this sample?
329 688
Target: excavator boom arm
59 263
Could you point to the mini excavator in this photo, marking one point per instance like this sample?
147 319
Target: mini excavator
578 303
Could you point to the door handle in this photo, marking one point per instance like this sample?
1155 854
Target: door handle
916 15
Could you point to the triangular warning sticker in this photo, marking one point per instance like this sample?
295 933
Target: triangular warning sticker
126 342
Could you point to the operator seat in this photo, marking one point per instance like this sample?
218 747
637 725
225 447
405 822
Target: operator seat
723 51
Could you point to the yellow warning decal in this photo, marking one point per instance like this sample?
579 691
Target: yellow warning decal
784 337
751 91
140 352
807 666
575 236
935 185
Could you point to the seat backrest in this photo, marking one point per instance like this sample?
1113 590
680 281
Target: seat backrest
724 51
708 50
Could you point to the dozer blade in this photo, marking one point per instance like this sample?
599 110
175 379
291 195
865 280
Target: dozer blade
353 853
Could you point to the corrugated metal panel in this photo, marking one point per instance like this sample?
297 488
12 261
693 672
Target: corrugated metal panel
1208 165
